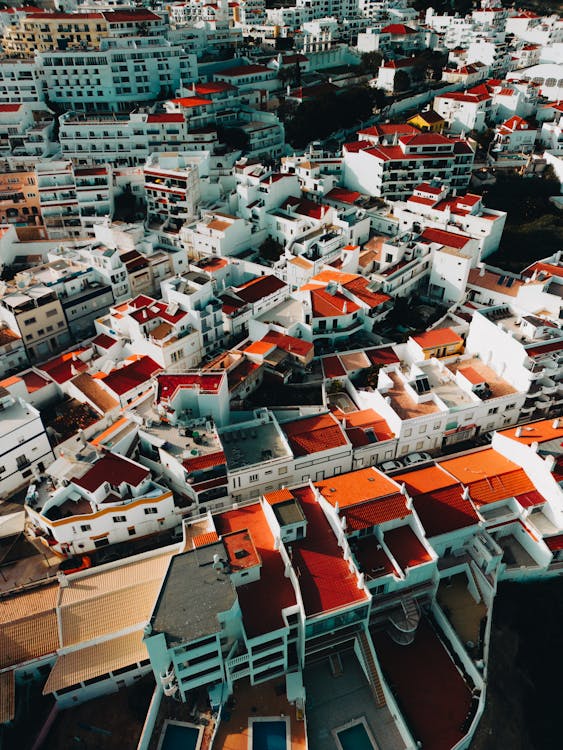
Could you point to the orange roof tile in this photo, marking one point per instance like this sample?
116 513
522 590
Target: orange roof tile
356 487
494 489
240 549
405 547
371 513
259 347
278 496
429 479
478 465
202 540
537 432
314 434
437 337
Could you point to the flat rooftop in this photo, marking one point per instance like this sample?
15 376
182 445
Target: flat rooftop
247 446
445 387
192 595
405 406
497 385
434 698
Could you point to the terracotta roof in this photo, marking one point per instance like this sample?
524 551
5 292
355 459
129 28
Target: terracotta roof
490 280
426 480
325 580
494 489
259 347
208 461
94 392
445 510
124 379
95 661
289 344
208 537
343 195
7 696
449 239
113 469
258 288
98 604
314 434
405 547
29 626
332 367
327 305
536 432
372 513
104 341
278 496
478 465
437 337
356 487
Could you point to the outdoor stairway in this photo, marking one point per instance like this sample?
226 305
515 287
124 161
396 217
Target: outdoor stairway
374 678
403 622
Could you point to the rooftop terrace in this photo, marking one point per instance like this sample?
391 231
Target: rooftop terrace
403 403
476 371
250 445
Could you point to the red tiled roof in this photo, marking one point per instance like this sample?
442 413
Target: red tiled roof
274 591
214 87
449 239
190 102
104 341
555 543
324 577
382 356
240 549
437 337
207 382
494 489
356 487
405 547
289 344
326 305
343 195
397 29
332 367
258 288
444 510
131 376
208 461
33 381
65 366
243 70
208 537
314 434
113 469
127 16
531 499
10 107
374 512
305 207
166 117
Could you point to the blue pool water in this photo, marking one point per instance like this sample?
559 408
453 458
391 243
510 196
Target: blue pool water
178 737
355 738
268 735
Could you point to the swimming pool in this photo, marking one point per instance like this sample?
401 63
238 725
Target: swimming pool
180 736
269 735
355 737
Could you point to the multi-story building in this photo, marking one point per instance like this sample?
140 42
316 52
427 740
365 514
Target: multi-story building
21 81
465 111
19 196
391 165
38 318
122 73
171 189
26 451
514 136
111 501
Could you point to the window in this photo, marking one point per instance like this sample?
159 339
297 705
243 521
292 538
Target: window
253 478
150 511
22 462
29 321
86 527
101 542
494 410
131 531
119 519
282 470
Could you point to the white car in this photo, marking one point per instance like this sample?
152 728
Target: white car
390 465
416 458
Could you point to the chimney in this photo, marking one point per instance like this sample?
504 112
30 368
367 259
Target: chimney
555 424
465 493
518 432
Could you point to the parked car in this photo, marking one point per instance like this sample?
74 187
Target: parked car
416 458
75 563
390 465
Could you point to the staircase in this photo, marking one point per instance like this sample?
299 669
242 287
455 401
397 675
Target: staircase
403 622
373 672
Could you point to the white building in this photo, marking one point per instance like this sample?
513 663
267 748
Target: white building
25 451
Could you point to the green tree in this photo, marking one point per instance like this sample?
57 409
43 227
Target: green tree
402 82
371 62
236 138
